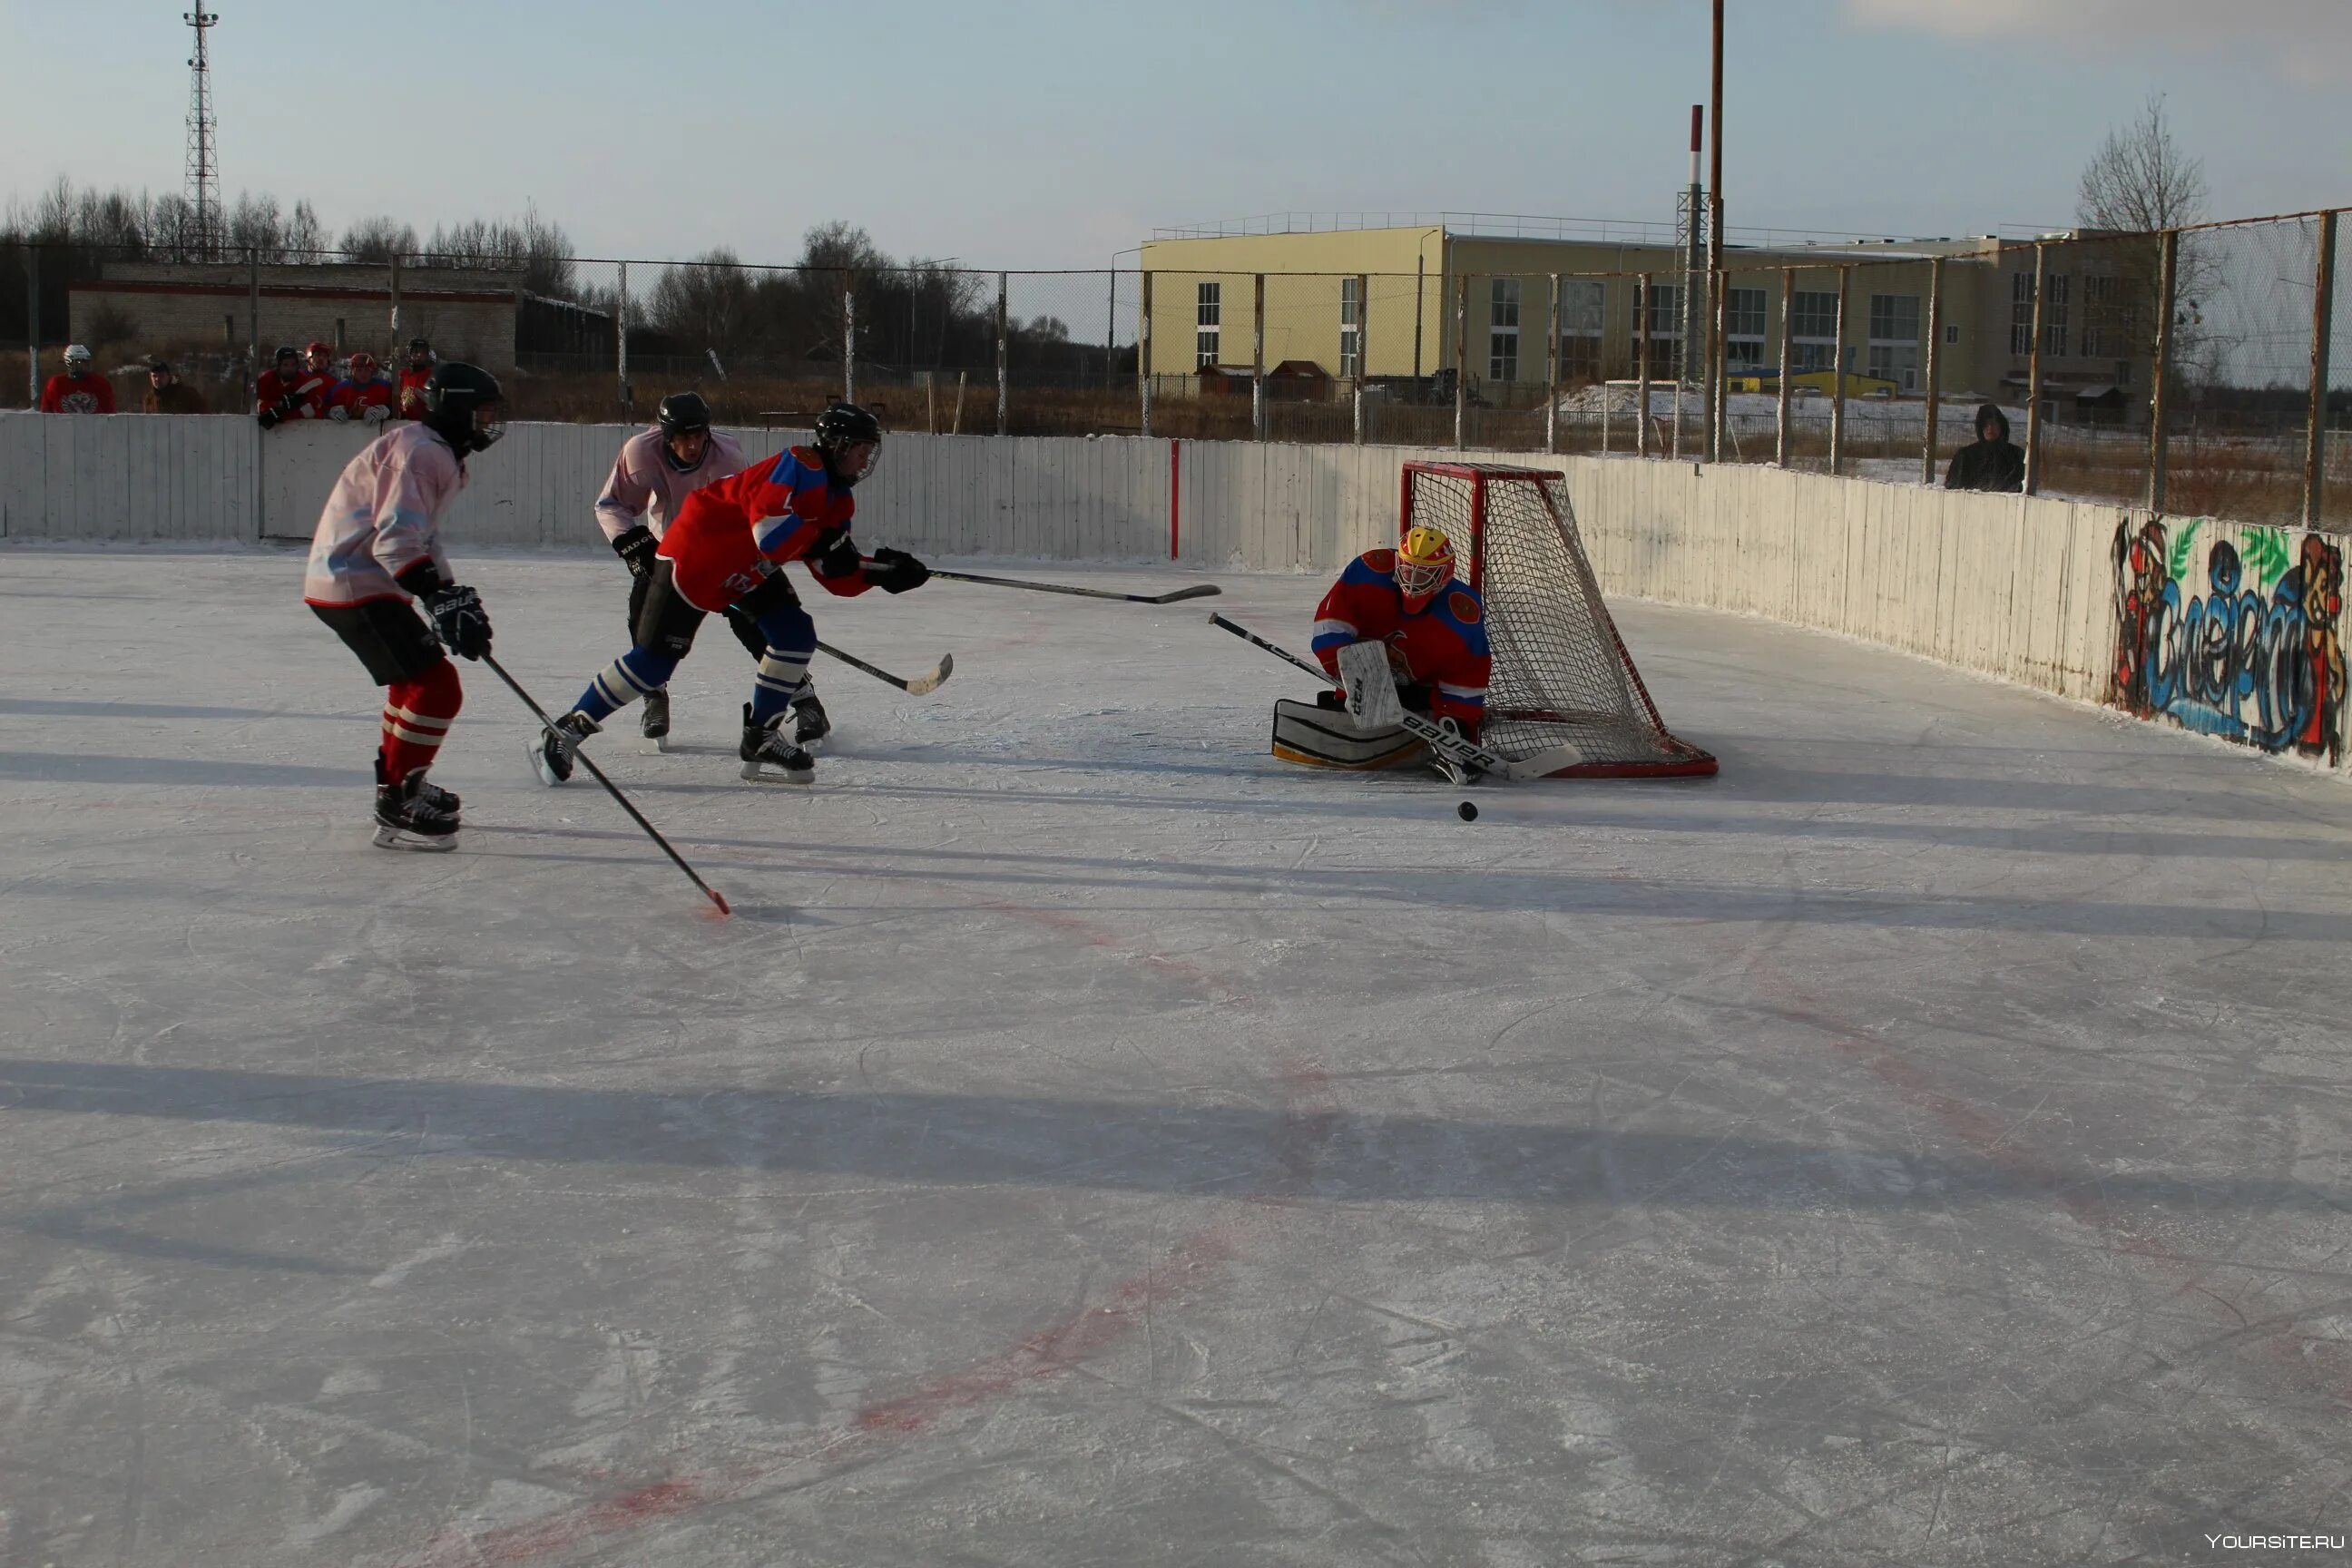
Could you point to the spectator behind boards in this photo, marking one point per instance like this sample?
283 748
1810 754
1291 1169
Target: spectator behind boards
79 389
364 394
413 379
277 396
1991 462
166 394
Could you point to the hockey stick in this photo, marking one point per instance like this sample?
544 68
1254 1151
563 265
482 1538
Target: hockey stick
922 685
612 789
1197 591
1447 743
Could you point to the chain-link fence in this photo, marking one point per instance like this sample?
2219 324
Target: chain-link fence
2173 369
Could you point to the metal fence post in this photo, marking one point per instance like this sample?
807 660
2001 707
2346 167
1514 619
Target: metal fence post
1461 360
253 322
1935 370
2167 288
1781 454
32 325
1363 346
2323 325
1143 354
1641 367
621 342
1717 359
848 337
2034 374
393 355
1551 371
1837 378
1420 293
1257 358
1003 328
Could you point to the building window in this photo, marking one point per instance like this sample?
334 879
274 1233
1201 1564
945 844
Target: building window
2054 316
1206 316
2020 315
1503 329
2110 319
1580 328
1743 330
1813 330
1662 308
1352 327
1894 340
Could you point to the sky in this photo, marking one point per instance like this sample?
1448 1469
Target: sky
1054 133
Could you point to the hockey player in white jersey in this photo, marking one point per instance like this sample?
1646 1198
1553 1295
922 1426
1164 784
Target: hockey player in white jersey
656 470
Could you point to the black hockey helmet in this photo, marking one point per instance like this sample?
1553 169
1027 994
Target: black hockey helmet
841 427
682 413
286 352
456 396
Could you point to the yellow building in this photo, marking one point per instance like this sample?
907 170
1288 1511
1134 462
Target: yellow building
1384 302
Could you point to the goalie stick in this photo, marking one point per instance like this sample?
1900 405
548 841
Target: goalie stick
1197 591
1457 756
930 680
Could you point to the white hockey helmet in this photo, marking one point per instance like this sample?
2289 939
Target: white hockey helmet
77 353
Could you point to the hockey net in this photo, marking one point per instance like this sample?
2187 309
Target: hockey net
1563 690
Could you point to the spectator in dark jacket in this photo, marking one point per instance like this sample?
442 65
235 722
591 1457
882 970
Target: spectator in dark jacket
167 394
1991 462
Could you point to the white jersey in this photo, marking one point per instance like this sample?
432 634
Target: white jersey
646 488
383 517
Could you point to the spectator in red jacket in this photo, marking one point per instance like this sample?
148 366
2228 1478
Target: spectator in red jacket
364 394
413 379
278 396
80 389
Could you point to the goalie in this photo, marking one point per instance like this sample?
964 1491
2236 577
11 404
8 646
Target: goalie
1398 632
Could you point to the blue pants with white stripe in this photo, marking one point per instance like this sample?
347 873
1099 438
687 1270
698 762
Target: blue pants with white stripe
782 673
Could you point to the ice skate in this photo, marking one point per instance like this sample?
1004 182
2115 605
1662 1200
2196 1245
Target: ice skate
411 814
767 746
551 752
653 724
810 725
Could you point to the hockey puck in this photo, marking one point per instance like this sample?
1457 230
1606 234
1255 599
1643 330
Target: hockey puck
1467 811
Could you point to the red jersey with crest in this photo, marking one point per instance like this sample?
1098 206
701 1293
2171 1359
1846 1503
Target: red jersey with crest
353 399
730 536
411 391
308 387
1443 645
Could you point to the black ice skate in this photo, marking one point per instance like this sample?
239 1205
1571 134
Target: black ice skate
409 817
768 745
810 726
551 754
653 724
428 791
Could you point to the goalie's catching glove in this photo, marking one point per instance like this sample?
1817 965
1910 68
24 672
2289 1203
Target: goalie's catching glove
636 548
895 571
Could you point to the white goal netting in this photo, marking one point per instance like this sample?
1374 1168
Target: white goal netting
1564 686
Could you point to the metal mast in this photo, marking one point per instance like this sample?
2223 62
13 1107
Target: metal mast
203 157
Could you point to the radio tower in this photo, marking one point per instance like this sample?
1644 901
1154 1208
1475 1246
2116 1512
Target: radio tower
204 158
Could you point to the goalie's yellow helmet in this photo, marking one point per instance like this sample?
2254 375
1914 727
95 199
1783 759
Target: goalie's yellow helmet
1424 564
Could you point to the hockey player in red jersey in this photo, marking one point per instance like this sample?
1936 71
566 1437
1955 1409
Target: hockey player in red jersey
656 470
726 550
1435 628
79 389
378 546
288 391
413 377
364 394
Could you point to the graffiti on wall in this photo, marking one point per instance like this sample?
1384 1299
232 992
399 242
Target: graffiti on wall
2238 637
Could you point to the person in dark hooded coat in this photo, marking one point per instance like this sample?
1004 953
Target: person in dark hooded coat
1991 462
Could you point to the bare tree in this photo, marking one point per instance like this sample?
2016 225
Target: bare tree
378 239
2140 180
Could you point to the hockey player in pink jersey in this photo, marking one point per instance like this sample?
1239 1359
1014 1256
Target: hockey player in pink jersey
656 472
378 546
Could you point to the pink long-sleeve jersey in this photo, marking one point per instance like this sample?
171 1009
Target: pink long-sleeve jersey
646 488
383 517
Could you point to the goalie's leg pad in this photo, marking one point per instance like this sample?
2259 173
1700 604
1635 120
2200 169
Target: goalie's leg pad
1325 738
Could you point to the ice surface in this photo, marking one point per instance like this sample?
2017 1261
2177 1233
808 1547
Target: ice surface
1094 1141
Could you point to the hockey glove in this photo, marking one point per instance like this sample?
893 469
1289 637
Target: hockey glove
834 555
266 419
458 616
339 414
376 413
895 571
636 548
1414 696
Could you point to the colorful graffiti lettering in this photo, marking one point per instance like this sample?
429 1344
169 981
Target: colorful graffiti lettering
2255 657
